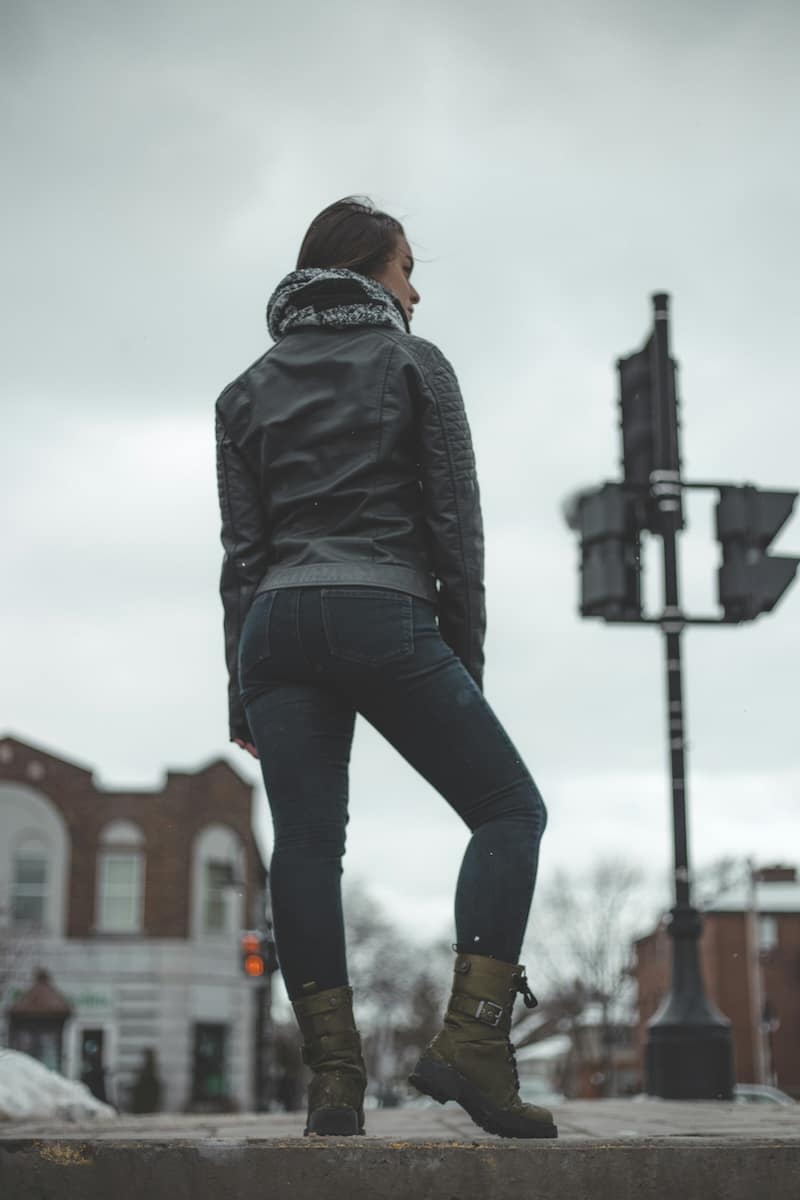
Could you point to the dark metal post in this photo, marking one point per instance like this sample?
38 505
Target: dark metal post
261 1055
689 1051
258 1039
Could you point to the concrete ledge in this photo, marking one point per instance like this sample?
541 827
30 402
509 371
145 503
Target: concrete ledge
376 1168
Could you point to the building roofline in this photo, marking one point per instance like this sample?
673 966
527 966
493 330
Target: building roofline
8 738
208 765
36 748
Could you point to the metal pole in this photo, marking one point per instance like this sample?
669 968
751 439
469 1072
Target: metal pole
258 1041
262 1071
666 490
754 978
689 1052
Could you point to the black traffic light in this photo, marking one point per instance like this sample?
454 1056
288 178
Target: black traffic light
751 581
640 395
610 553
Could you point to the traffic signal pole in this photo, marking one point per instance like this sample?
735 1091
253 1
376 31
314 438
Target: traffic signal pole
689 1048
261 1056
689 1052
258 962
665 485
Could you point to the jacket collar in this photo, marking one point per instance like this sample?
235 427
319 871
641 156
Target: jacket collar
334 297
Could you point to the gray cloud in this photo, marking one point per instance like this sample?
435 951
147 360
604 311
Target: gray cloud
553 169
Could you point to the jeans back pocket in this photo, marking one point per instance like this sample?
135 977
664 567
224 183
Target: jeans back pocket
370 626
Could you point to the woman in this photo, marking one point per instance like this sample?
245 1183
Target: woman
352 581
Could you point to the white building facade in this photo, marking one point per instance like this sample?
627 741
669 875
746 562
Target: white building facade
133 905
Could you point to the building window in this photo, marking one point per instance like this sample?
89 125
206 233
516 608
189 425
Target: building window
218 883
767 933
120 877
218 877
120 893
29 889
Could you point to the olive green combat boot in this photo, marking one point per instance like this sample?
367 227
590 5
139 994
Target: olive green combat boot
472 1059
332 1049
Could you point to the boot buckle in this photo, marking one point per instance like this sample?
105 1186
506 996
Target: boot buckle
482 1014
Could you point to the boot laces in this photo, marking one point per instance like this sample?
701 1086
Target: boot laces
527 995
512 1058
530 1000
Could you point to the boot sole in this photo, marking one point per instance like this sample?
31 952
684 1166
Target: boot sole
443 1083
336 1122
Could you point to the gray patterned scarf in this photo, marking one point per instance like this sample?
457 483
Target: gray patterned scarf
333 297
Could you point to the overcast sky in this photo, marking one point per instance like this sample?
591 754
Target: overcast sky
553 165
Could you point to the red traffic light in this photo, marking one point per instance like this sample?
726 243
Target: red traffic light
253 964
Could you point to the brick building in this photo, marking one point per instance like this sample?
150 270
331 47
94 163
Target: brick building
750 959
124 909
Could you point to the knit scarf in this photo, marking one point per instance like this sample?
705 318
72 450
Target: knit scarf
334 297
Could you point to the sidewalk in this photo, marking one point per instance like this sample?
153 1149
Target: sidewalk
615 1149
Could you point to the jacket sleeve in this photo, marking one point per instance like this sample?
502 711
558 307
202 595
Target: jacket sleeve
246 551
453 512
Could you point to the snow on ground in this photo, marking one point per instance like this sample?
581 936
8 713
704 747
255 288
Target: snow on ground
29 1090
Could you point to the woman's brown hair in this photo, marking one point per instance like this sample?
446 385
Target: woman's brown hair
350 233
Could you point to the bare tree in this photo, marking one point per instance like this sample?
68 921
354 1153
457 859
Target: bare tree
717 877
582 924
580 945
400 990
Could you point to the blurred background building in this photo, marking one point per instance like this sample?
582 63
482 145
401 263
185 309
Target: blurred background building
750 958
120 921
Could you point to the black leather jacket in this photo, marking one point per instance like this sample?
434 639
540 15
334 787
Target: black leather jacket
344 456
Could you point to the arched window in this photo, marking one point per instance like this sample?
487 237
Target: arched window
29 885
34 853
120 879
218 878
217 882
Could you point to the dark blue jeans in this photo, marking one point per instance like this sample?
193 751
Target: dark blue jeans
310 658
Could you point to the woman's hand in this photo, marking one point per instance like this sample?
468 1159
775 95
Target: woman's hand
248 746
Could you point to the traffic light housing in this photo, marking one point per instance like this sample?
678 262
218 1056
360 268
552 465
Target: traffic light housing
257 953
750 581
252 959
610 553
642 452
